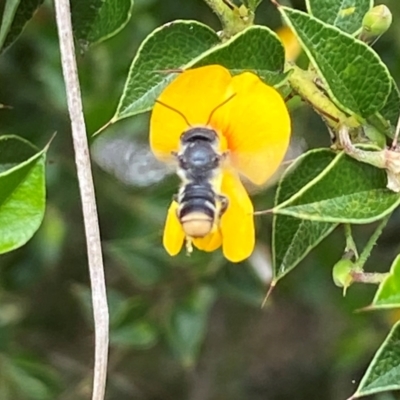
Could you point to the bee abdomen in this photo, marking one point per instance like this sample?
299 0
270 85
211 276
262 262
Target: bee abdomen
194 191
197 209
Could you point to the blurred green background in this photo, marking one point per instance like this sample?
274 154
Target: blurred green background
184 327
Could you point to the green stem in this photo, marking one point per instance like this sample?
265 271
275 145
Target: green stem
374 278
371 243
303 82
233 19
350 244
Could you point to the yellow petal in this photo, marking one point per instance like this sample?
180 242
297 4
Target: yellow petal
173 233
256 124
237 223
210 242
194 93
290 43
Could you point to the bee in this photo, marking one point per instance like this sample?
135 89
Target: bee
199 166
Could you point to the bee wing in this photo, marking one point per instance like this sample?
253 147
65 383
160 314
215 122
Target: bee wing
129 160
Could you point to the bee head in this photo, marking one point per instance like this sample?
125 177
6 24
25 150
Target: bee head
198 149
199 134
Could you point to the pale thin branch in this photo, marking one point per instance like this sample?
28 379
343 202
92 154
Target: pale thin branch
92 231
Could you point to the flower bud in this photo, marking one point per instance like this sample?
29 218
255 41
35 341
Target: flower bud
341 274
375 23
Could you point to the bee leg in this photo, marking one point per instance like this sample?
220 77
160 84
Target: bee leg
224 203
189 246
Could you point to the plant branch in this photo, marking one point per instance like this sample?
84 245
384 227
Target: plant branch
89 208
351 246
233 19
374 278
303 83
372 242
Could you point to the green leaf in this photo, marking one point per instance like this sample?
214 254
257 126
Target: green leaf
129 326
97 20
171 46
347 191
256 49
29 379
138 334
293 238
383 373
22 192
15 16
240 282
353 74
10 8
187 324
347 15
144 269
186 44
388 293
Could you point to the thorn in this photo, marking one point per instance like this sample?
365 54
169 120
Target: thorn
368 308
262 212
110 122
49 142
271 288
6 107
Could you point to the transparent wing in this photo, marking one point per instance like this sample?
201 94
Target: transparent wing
129 159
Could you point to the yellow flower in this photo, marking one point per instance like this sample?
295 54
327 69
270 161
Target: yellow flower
290 43
253 127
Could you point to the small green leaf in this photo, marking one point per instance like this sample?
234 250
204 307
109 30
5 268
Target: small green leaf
139 334
256 49
123 310
293 238
388 293
22 192
347 191
15 16
97 20
383 373
187 325
353 74
171 46
241 283
29 379
144 269
347 15
10 8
